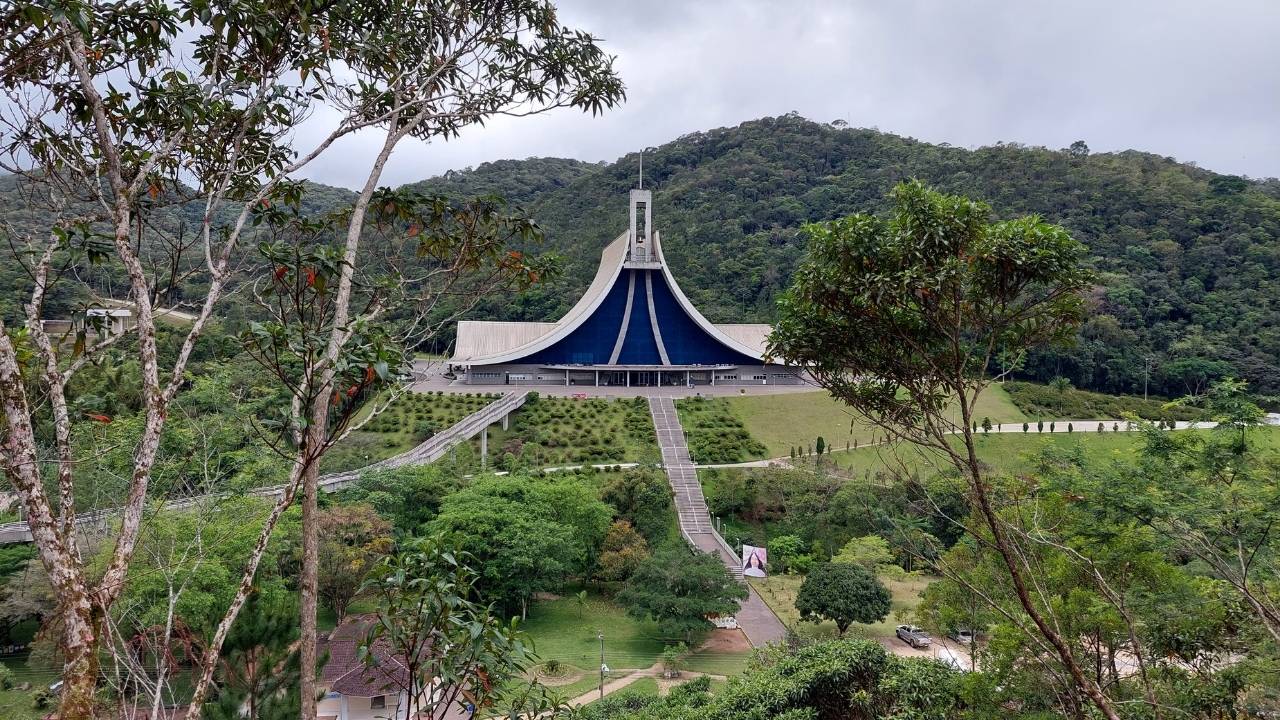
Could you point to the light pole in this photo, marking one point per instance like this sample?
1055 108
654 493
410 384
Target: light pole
600 635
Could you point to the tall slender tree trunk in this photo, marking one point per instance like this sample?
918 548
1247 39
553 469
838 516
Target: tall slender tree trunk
308 582
1004 548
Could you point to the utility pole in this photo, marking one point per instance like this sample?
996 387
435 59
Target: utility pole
600 635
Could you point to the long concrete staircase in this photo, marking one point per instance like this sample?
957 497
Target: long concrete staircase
758 622
428 451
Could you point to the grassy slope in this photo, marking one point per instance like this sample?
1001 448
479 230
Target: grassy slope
779 592
561 630
397 429
1014 452
797 419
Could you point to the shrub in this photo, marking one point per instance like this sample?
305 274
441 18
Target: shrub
6 677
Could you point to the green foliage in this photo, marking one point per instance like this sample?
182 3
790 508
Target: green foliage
258 668
641 496
827 681
352 538
557 431
715 433
875 302
1045 401
843 593
673 657
527 534
174 546
409 496
6 677
679 591
623 551
431 619
870 551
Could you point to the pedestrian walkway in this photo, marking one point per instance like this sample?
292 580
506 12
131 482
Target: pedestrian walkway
755 618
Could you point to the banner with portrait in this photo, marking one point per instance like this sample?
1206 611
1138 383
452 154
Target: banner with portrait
754 561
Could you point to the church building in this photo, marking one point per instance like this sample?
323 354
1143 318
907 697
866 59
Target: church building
632 327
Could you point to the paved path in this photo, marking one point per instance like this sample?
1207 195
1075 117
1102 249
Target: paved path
755 618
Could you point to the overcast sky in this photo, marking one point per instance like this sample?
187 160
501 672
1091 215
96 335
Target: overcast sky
1197 79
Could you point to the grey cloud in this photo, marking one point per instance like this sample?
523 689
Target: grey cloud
1199 81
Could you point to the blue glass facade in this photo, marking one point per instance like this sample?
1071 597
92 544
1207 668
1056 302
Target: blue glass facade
685 342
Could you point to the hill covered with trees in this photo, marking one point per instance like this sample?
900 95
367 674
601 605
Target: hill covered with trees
1188 260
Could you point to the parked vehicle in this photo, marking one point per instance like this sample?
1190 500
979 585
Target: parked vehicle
914 636
964 636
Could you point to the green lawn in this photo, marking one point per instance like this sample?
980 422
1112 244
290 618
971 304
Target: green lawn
784 421
779 593
410 420
17 704
562 630
1016 452
552 431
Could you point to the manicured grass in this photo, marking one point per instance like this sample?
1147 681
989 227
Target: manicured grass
410 420
644 686
781 422
589 681
1016 452
715 433
562 630
779 592
717 663
553 431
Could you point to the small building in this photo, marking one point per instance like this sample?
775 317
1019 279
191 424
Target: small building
633 327
357 690
109 322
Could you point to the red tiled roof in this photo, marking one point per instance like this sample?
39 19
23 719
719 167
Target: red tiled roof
346 673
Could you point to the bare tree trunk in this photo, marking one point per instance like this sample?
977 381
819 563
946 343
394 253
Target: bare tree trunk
310 564
81 632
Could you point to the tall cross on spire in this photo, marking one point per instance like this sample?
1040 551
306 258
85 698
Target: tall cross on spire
641 170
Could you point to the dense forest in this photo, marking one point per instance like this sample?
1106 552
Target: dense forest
1188 261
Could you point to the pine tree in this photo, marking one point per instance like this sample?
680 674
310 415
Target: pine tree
258 669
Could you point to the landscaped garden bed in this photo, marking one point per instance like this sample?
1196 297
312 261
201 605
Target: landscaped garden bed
409 421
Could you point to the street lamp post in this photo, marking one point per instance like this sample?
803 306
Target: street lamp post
602 668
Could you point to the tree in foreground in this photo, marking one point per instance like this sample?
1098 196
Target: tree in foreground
455 651
832 680
844 594
680 591
127 113
906 319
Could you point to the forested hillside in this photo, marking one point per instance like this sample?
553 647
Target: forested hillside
1188 260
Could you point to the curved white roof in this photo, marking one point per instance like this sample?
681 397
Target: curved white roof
491 343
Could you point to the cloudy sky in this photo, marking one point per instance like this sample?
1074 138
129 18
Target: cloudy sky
1195 79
